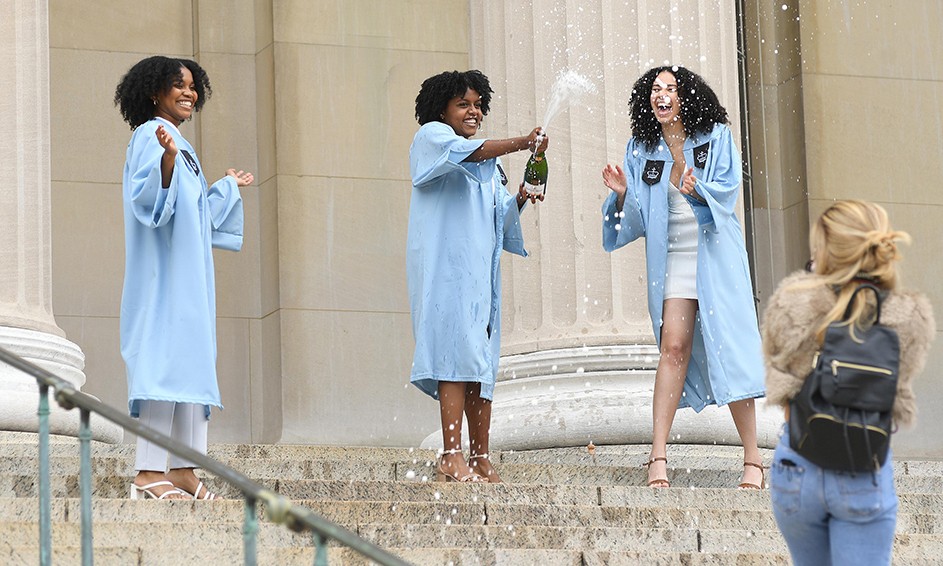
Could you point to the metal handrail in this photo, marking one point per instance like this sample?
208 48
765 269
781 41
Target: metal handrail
279 509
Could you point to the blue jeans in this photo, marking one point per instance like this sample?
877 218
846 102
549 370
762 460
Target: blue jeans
829 517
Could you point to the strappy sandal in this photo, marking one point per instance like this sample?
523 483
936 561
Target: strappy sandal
658 483
483 457
200 488
747 485
144 491
444 476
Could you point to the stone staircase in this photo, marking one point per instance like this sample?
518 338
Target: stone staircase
561 507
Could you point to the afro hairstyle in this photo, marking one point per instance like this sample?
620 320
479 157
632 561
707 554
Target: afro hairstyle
437 91
134 95
700 108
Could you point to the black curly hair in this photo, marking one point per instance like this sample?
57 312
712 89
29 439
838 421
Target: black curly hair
700 108
437 91
134 95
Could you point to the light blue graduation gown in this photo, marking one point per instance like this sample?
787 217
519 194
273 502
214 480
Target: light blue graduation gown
460 218
168 305
726 363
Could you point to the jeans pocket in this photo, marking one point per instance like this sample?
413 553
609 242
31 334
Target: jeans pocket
858 496
785 482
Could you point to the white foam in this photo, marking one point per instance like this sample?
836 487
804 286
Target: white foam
567 89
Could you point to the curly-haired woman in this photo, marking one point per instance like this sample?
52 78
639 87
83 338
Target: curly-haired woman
679 191
460 218
168 306
828 516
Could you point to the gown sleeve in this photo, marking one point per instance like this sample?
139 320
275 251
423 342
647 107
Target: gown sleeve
226 212
513 240
151 204
719 184
437 150
619 229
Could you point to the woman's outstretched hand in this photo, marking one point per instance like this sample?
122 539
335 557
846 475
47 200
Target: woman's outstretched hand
166 141
614 178
243 178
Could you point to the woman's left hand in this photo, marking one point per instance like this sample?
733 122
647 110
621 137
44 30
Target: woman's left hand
687 184
522 196
243 178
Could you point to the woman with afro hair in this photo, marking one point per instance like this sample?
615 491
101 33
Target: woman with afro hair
679 191
172 221
460 218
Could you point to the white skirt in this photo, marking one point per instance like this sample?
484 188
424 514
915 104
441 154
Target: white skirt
681 276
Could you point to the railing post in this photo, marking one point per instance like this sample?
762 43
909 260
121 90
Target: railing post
320 550
85 486
250 532
45 493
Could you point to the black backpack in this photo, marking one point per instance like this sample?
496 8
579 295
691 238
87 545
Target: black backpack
841 418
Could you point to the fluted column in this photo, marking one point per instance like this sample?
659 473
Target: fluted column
579 355
27 326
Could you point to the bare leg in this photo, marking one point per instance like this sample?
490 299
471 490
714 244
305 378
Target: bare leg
744 417
478 413
677 336
451 407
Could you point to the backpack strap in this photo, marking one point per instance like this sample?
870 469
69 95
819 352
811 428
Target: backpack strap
878 294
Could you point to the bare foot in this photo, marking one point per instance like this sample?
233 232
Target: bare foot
658 472
752 477
455 466
481 465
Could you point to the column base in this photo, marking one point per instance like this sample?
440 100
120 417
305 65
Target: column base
598 394
19 393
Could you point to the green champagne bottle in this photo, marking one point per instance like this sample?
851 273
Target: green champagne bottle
535 174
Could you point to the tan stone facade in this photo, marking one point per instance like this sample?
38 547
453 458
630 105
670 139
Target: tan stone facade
316 98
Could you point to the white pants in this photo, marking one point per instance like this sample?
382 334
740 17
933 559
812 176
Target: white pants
184 422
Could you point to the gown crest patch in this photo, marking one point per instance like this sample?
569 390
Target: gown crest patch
651 174
700 155
191 162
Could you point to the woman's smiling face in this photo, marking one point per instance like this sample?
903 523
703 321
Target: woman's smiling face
177 103
665 101
463 113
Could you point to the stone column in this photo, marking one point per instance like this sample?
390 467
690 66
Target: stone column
27 326
579 354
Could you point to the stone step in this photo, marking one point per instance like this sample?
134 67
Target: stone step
693 467
113 472
352 513
599 539
493 546
512 473
174 554
908 547
608 496
190 552
525 557
680 456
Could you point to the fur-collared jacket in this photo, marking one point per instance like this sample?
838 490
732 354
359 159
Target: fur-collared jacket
789 342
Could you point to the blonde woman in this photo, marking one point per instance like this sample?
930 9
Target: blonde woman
832 517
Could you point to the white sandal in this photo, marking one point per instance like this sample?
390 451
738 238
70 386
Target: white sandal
207 494
144 491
